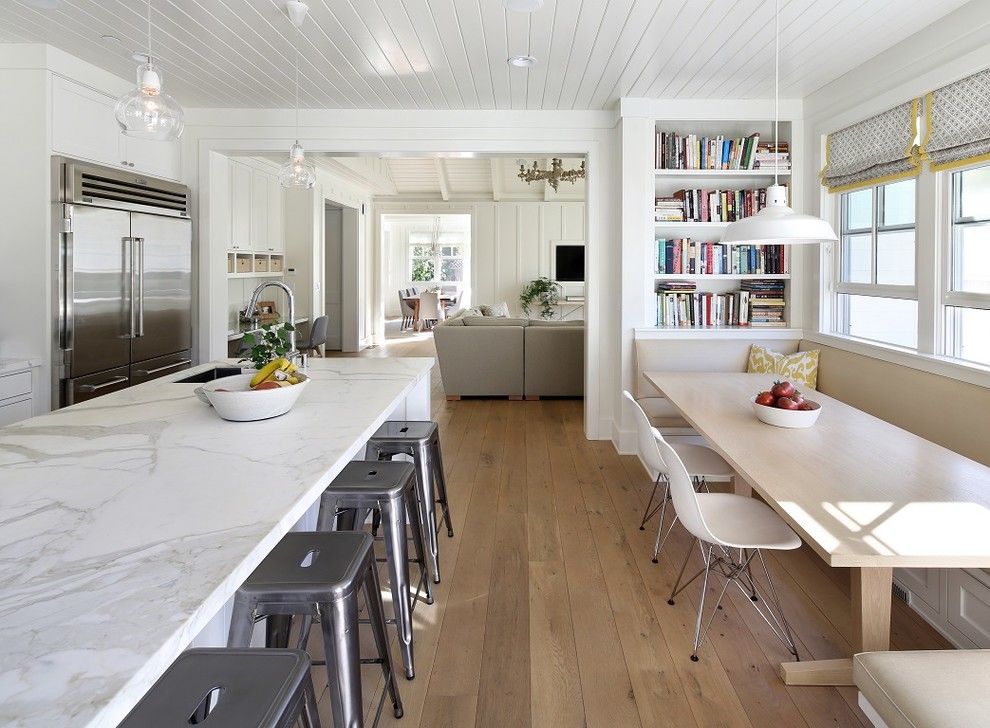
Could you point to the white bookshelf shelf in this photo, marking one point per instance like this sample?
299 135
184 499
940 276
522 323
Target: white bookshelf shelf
764 333
762 173
722 276
674 226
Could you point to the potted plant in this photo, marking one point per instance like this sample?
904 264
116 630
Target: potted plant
268 343
543 292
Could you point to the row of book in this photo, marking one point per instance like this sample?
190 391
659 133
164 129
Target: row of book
709 205
674 151
698 257
679 304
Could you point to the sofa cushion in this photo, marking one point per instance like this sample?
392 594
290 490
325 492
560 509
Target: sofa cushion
554 361
455 321
800 367
494 321
556 322
497 310
931 688
480 363
462 312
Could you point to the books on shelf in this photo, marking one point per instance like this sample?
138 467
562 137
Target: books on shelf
680 304
698 257
710 205
674 151
769 156
766 302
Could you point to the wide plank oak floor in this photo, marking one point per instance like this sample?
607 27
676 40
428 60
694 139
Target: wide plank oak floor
551 612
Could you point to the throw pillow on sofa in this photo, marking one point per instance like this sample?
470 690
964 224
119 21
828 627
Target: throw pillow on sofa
497 310
800 368
462 312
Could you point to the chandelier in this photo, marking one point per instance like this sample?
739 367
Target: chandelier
553 176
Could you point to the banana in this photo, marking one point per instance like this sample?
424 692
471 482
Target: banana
265 372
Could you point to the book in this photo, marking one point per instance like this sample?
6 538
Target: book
683 255
674 151
700 205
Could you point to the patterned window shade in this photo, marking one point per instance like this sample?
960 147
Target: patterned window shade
958 117
877 150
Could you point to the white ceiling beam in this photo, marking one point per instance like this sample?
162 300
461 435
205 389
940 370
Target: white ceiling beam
442 178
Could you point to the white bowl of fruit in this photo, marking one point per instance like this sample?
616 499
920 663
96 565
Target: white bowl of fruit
783 406
269 392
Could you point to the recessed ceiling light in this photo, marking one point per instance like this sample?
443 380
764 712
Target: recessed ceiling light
522 61
523 6
43 4
141 57
110 39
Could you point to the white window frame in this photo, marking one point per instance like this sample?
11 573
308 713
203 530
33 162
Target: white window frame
839 320
933 286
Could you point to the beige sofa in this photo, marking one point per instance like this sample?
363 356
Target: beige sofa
514 357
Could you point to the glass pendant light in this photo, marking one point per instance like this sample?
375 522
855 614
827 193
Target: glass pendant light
148 112
778 224
297 172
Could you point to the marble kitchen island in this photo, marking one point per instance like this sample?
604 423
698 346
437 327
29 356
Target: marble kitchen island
127 522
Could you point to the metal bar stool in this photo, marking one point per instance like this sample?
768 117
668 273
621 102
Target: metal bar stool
389 487
233 689
318 575
421 440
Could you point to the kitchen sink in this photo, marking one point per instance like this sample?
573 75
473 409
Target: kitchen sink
209 375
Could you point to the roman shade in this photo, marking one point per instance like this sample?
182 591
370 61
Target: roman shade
874 151
958 120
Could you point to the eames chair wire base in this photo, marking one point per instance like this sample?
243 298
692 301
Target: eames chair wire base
661 508
738 571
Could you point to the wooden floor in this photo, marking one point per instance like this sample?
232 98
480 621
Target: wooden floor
551 613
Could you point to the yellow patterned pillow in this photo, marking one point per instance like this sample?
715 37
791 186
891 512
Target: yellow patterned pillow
800 368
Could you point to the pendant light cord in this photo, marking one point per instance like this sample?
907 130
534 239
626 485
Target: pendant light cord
776 90
149 32
297 94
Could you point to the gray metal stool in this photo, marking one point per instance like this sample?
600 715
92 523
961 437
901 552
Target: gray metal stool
232 689
389 487
319 575
421 440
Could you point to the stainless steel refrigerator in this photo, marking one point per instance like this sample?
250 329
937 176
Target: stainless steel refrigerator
123 283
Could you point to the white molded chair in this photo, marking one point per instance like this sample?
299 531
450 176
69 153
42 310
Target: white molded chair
731 530
701 462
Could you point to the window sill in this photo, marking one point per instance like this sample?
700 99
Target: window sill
944 366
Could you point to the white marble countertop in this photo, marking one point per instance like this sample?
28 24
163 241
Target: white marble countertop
9 366
127 521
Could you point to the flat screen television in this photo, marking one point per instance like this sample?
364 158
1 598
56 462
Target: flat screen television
569 263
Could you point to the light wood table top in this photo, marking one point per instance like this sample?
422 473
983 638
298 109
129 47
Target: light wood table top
860 491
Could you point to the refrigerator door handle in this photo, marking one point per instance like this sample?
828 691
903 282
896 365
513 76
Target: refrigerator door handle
97 387
140 267
68 287
131 243
173 365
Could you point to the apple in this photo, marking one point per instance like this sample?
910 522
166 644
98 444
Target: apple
786 403
766 399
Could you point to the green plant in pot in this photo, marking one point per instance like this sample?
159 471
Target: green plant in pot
268 343
541 292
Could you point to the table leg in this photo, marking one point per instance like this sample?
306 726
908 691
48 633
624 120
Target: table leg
871 631
416 321
741 487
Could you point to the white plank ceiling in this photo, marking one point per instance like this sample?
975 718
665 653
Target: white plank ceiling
451 54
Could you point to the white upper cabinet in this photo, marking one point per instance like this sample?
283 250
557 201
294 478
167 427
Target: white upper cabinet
83 126
240 206
276 234
259 211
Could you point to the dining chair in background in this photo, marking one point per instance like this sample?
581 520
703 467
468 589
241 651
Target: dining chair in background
407 309
317 337
701 462
732 531
430 311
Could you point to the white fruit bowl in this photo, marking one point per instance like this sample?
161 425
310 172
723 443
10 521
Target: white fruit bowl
794 419
233 398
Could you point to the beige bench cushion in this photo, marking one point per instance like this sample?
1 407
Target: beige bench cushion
926 689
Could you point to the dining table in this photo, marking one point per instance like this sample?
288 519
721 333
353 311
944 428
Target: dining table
861 492
445 300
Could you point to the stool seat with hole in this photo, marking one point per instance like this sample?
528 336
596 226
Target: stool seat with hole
319 575
421 441
390 488
230 688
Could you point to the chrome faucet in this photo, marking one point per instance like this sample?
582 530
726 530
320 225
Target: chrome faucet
292 354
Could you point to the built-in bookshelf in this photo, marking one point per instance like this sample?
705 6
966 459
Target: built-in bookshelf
711 297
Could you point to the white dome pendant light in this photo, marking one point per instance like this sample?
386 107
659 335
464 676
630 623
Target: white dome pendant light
297 172
148 112
778 224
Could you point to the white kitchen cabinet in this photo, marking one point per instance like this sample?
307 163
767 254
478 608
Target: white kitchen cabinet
15 396
83 124
968 606
276 233
259 211
240 206
84 127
